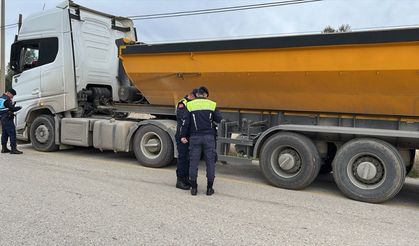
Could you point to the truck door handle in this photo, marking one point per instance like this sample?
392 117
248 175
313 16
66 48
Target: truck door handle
35 91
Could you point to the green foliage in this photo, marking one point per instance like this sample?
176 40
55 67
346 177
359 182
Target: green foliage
342 28
9 76
413 174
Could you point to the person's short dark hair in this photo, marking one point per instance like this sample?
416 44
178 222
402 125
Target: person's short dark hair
194 91
12 91
202 90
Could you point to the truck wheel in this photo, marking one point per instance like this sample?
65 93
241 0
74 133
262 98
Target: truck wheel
369 170
42 133
290 160
153 147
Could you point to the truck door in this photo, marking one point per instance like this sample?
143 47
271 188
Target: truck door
52 82
27 76
36 74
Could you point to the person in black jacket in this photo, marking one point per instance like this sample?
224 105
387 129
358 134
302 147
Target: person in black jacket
182 170
199 127
7 110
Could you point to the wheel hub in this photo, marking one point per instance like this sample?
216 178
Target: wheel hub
368 170
287 162
42 134
151 145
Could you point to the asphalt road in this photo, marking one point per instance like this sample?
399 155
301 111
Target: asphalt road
86 197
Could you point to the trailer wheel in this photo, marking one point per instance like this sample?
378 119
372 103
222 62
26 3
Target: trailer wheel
290 160
369 170
42 133
153 147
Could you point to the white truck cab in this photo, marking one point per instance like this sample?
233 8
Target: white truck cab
63 56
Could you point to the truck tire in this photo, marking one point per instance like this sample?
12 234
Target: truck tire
369 170
290 160
153 147
42 133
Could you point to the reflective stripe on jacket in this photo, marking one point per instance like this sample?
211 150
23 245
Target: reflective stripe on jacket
3 107
202 113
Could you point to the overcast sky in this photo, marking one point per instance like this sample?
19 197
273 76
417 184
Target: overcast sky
309 17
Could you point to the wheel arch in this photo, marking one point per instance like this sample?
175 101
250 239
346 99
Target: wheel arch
37 111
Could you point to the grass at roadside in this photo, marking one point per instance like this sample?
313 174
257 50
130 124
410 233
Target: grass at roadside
414 173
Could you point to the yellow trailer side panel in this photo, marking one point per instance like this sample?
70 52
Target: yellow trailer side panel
379 79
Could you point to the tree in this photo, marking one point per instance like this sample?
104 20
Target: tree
342 28
328 29
9 76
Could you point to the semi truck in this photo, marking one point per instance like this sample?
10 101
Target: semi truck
297 105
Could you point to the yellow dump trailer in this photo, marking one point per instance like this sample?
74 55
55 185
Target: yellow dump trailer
301 105
374 72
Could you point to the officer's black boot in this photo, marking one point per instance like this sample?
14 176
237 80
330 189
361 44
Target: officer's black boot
194 189
4 149
15 151
210 190
186 181
182 183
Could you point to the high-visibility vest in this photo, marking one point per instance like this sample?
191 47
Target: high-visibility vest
3 99
184 101
201 104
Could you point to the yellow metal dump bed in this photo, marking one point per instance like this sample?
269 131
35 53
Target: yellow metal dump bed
373 72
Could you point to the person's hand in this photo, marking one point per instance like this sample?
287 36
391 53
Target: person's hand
18 108
184 140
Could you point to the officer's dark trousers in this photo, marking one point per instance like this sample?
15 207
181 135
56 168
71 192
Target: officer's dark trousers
8 130
197 144
182 170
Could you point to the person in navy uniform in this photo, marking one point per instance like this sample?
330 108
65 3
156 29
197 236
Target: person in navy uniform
182 170
198 131
7 110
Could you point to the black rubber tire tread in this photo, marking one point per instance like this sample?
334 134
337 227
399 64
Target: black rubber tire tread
166 155
393 162
308 152
49 122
